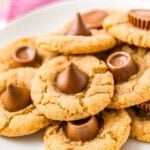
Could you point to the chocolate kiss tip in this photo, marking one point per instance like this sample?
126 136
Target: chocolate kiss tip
121 65
140 18
83 130
78 27
71 80
24 55
16 98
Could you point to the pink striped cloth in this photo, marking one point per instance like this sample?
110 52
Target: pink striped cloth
19 7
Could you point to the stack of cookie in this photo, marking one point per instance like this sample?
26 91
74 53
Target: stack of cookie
77 88
133 28
77 82
18 63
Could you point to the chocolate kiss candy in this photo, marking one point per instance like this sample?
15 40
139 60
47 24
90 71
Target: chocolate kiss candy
78 27
140 18
24 55
145 107
94 18
16 98
83 130
71 80
121 65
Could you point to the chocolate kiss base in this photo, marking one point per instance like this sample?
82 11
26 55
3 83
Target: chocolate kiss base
78 27
145 107
140 113
24 55
71 80
122 66
16 98
83 130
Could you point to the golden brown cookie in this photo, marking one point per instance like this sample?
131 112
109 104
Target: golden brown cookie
26 120
112 135
90 100
120 26
99 41
140 127
15 48
135 89
80 36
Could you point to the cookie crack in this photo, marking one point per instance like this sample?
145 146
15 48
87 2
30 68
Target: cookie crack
23 112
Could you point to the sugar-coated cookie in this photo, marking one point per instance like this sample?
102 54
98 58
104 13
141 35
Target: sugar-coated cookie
140 126
18 115
77 37
21 53
112 134
133 31
72 87
132 80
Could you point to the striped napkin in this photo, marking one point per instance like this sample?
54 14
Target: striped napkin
19 7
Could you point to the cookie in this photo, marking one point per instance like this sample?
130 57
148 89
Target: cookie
72 87
77 38
22 52
112 135
135 86
22 117
121 26
99 41
140 127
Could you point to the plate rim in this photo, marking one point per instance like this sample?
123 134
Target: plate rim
57 4
60 3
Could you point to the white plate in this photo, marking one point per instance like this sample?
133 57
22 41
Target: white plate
52 19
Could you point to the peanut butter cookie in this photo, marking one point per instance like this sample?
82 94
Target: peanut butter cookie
18 116
111 135
131 69
22 52
72 87
79 37
140 126
132 27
